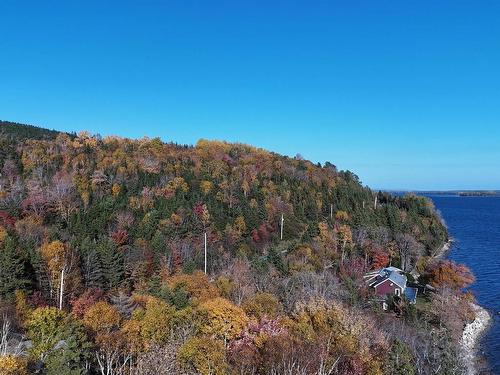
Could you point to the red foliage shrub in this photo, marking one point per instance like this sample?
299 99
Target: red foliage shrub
7 220
255 235
81 304
120 237
198 209
37 300
245 351
379 260
353 268
351 366
262 233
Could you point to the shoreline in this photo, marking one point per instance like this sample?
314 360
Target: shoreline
443 251
472 331
470 337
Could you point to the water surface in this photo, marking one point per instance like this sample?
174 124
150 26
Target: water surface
474 224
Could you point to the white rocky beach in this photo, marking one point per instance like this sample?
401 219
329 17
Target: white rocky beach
471 335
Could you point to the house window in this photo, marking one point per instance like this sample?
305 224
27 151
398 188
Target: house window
398 292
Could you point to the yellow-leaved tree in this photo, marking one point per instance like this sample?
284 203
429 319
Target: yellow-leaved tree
55 256
3 234
223 320
102 318
149 326
155 322
197 285
205 355
11 365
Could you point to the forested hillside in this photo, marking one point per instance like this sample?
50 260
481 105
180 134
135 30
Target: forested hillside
102 259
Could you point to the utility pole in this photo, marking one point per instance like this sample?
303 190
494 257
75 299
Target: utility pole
282 221
205 236
61 290
331 211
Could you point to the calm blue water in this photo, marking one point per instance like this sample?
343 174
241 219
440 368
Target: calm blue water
474 223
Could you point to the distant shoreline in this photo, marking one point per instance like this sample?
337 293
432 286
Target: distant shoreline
458 193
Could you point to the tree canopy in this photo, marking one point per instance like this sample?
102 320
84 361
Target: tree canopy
102 259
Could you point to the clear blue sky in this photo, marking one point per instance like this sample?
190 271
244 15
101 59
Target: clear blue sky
404 93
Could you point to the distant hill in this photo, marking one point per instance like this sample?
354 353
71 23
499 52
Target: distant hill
22 131
479 193
462 193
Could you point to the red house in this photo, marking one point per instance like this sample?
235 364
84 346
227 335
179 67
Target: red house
390 281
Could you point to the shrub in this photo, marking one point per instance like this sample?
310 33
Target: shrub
11 365
203 354
262 304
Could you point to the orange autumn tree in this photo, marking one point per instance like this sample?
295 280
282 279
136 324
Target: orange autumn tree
102 318
151 325
379 260
262 305
448 274
103 321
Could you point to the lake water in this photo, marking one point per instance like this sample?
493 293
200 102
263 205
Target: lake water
474 224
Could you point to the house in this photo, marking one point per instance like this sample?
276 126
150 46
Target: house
391 281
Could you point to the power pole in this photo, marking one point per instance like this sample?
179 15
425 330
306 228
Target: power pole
282 221
61 290
205 236
331 211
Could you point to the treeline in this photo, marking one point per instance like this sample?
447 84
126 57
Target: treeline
102 247
17 131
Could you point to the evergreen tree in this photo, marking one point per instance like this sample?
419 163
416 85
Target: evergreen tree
400 360
91 264
12 275
112 262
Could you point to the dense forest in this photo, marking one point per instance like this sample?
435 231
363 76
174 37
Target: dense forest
102 263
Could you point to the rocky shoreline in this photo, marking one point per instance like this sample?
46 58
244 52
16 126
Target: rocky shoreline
472 331
471 335
441 253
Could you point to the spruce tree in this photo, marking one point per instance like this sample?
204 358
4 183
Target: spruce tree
12 275
112 262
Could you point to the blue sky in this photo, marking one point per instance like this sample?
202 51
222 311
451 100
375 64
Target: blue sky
406 94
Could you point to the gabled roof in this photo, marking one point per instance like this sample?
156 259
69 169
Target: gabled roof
398 279
393 269
392 274
382 272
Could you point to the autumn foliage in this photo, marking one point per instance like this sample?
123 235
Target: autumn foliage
102 261
449 274
12 365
